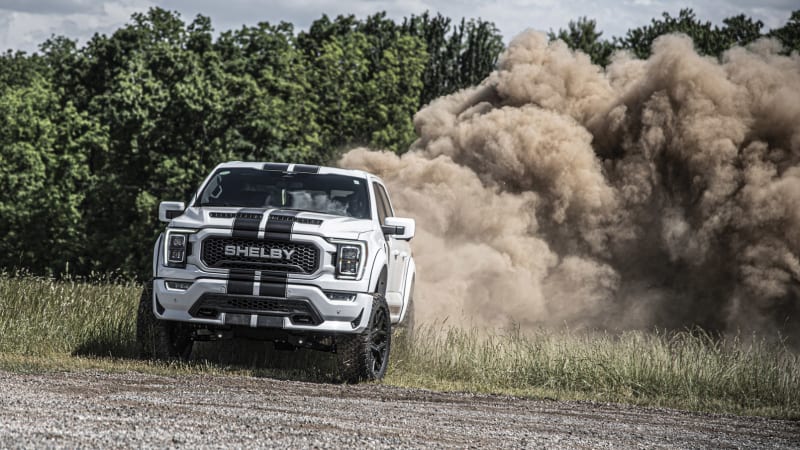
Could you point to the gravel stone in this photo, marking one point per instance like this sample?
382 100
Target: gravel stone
112 410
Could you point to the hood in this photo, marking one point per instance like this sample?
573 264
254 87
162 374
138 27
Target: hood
327 225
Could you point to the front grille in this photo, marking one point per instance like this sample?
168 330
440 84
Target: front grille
304 260
299 311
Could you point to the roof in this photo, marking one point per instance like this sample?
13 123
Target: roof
300 168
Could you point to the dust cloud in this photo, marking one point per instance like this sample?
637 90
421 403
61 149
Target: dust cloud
661 193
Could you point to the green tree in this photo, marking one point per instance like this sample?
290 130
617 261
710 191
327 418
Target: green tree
480 49
583 35
366 81
393 94
458 57
338 67
789 34
708 40
159 87
92 137
269 109
20 69
43 178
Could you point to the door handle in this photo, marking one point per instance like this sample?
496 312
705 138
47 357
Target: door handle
395 252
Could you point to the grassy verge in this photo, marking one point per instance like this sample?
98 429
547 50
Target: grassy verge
686 370
57 326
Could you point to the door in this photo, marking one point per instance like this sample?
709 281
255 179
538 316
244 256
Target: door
398 257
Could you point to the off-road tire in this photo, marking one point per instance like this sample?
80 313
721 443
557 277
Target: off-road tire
159 339
365 356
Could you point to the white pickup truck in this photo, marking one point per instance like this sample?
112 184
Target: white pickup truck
301 255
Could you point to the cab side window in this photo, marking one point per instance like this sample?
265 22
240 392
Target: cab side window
385 197
382 201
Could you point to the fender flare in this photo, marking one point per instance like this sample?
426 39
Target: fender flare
408 287
379 268
157 255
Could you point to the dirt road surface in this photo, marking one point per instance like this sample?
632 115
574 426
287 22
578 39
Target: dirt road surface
136 410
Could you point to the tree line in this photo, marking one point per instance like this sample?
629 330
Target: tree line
712 40
92 137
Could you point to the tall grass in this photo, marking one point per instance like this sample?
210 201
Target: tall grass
689 369
43 316
47 324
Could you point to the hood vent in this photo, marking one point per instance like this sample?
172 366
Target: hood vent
257 216
241 215
280 218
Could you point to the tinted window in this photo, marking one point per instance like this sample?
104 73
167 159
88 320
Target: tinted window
385 198
384 210
254 188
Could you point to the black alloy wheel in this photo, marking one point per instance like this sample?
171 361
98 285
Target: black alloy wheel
365 356
379 342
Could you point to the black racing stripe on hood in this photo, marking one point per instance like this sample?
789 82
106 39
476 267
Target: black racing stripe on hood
279 225
246 223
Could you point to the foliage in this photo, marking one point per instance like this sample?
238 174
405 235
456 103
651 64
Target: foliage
789 34
583 35
459 57
92 137
708 40
43 177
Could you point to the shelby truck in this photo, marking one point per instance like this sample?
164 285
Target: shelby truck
300 255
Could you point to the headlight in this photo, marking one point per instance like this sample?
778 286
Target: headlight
176 247
348 260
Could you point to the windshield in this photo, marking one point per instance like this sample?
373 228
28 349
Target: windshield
255 188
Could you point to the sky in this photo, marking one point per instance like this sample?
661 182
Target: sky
24 24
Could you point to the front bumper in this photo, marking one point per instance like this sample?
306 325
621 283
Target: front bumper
207 302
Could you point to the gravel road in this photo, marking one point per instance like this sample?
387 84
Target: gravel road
134 410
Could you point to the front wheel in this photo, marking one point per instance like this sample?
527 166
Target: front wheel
159 339
365 356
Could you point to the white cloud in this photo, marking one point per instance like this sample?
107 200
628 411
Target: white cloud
26 28
52 6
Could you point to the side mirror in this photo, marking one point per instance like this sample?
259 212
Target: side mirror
169 210
399 227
